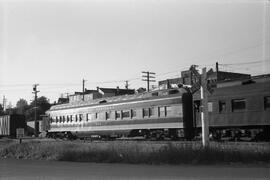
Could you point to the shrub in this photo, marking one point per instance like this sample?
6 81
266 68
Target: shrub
138 152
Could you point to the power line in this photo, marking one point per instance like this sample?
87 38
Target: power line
245 63
63 85
218 55
52 85
113 81
188 59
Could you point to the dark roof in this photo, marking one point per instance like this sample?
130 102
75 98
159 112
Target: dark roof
172 81
87 91
62 100
222 75
117 91
261 76
76 93
248 78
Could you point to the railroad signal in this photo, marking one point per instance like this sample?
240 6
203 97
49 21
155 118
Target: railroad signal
198 80
201 83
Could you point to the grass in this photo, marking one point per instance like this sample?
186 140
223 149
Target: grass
139 152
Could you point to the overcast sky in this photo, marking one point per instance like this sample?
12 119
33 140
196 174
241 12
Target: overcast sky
58 43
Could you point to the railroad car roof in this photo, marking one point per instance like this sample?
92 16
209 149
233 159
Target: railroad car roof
123 98
251 89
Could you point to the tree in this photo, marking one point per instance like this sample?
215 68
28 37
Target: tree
10 110
42 106
141 90
22 106
1 110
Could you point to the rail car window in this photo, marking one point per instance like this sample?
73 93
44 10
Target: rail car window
222 106
163 93
210 106
60 119
168 111
125 114
67 118
76 118
117 114
80 117
96 115
161 111
174 91
109 115
238 105
90 116
151 111
56 118
145 112
63 119
267 102
197 106
133 113
155 94
71 118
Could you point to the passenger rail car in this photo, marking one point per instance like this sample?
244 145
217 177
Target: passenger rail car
239 111
158 114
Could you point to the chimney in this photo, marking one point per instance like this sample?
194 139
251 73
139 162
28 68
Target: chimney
117 90
217 71
217 67
168 84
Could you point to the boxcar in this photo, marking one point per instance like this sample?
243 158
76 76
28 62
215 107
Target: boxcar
159 114
9 124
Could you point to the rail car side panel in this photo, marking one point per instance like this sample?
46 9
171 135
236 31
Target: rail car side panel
254 114
172 120
119 125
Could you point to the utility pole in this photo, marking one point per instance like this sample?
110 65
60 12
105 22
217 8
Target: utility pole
148 78
4 103
83 90
35 92
204 113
